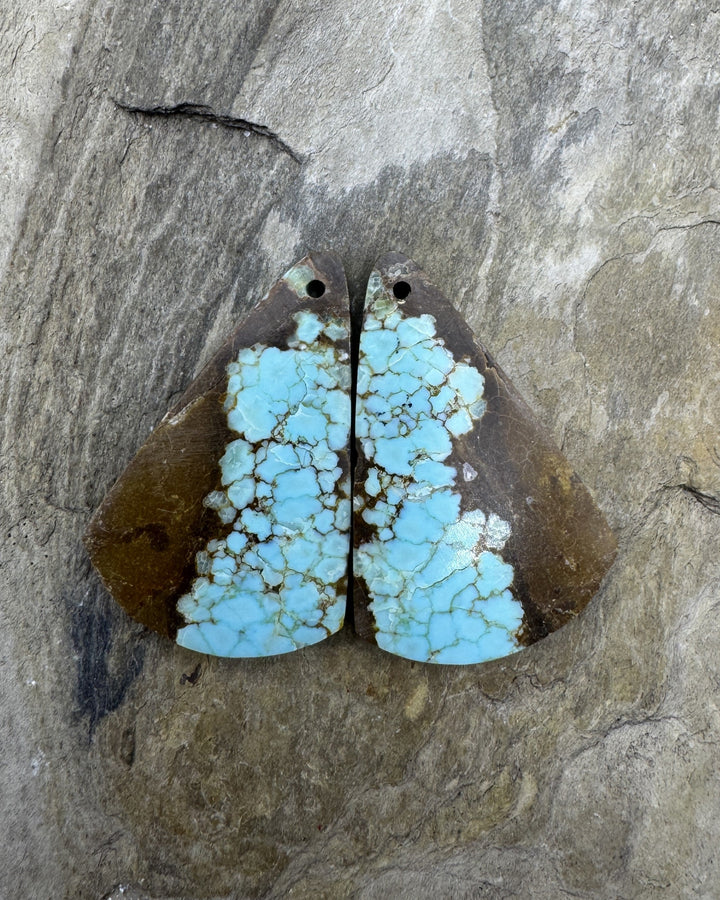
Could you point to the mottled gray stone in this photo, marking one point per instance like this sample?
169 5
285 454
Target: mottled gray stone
553 167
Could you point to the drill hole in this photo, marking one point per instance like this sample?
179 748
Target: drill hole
401 289
315 289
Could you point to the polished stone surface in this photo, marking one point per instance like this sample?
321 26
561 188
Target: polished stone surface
440 587
276 582
473 537
229 531
553 167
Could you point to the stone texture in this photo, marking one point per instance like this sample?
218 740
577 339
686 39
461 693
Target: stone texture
153 532
472 533
554 169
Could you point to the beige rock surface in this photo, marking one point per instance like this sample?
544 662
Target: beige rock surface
554 167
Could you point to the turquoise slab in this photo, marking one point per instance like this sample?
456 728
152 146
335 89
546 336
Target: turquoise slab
270 585
440 588
472 535
230 530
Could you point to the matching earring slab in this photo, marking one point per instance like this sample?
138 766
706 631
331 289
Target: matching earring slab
229 532
473 536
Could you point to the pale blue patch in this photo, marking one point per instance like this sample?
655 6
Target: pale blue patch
343 514
416 524
414 330
444 506
236 541
442 399
299 277
275 583
309 327
325 521
251 419
430 474
331 568
363 382
467 381
392 454
242 492
323 456
306 425
440 589
301 483
302 554
337 331
372 483
296 511
378 348
335 407
277 458
271 553
409 554
459 423
238 461
337 436
327 480
256 523
378 515
419 402
495 575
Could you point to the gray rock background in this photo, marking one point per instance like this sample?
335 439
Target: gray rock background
554 166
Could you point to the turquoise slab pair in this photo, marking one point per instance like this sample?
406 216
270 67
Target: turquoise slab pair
236 527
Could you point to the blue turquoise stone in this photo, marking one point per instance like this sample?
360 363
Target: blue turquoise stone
473 537
276 577
230 530
439 588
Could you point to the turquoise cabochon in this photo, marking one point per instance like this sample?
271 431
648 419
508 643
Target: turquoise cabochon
230 530
276 581
439 586
473 537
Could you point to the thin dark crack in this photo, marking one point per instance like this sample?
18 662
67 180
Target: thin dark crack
207 114
689 226
382 78
711 502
